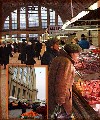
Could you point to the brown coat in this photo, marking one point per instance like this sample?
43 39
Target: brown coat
60 82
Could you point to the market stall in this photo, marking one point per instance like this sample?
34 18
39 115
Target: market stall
86 89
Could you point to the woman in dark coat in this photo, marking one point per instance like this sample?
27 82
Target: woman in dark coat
61 77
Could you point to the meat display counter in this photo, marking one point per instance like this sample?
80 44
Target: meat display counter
86 88
81 108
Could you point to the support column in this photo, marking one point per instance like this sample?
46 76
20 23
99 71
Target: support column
48 17
1 22
56 19
99 31
27 24
18 23
10 25
18 19
0 95
40 21
99 39
39 14
21 92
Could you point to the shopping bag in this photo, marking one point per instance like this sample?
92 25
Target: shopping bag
60 113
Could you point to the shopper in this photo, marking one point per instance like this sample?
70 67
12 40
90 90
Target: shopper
83 43
23 106
38 48
5 53
15 47
75 40
60 78
30 53
52 48
23 51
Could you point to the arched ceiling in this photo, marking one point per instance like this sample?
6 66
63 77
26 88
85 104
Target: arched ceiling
62 7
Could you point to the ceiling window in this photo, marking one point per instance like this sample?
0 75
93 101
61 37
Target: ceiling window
60 23
22 18
33 17
14 19
44 17
52 17
6 24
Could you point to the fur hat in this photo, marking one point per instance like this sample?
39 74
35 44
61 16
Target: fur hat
82 35
72 48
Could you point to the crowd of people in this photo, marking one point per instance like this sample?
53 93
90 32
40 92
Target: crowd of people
60 63
27 52
33 106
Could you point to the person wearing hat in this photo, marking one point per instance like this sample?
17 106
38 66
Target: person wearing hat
52 48
75 40
83 43
61 78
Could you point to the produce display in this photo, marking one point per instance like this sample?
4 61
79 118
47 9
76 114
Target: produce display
30 114
39 114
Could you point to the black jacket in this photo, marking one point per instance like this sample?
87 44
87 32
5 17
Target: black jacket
48 56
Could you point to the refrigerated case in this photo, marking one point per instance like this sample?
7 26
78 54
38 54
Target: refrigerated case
86 88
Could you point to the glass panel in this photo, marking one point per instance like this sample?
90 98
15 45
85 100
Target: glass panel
22 10
33 17
52 17
22 36
59 21
14 19
23 18
44 17
33 35
6 24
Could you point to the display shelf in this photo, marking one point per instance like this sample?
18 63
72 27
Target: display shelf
81 109
88 65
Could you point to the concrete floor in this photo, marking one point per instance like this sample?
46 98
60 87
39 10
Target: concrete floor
16 113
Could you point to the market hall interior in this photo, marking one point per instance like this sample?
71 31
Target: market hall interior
36 20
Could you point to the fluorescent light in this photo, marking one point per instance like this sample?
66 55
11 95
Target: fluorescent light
94 6
81 14
66 24
73 29
92 29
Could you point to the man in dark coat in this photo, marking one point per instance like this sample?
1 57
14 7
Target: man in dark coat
5 53
38 48
52 48
23 51
83 43
30 52
15 47
61 77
